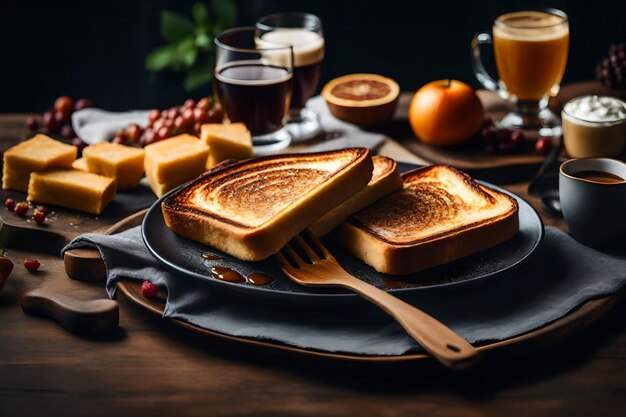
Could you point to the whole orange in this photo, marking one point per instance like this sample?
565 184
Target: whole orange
445 113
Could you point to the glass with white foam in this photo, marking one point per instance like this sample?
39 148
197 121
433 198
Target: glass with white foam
303 32
594 127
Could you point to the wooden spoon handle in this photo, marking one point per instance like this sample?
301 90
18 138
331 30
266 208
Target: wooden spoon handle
87 317
435 337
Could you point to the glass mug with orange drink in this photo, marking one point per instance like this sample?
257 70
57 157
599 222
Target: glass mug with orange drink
530 49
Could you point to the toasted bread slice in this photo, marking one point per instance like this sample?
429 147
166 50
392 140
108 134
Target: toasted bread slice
385 180
440 215
252 208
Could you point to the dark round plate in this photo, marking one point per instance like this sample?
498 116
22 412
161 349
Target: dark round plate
185 256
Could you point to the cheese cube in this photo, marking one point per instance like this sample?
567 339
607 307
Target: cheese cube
125 164
35 154
71 188
174 161
226 141
80 164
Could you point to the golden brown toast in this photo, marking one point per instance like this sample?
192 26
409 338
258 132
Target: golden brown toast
440 215
385 180
252 208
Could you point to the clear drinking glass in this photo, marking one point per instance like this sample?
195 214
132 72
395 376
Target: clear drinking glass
530 49
303 32
254 86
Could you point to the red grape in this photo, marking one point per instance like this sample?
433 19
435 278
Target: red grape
50 123
215 116
119 138
205 103
197 128
172 113
78 142
61 118
154 115
147 137
158 124
164 132
67 132
84 103
64 104
179 124
133 132
543 145
168 123
200 115
189 103
32 123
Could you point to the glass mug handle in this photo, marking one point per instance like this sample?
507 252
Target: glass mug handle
481 73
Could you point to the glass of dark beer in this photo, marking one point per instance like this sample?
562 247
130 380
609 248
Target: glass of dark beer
302 31
254 86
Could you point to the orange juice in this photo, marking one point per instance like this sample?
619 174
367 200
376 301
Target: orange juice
531 49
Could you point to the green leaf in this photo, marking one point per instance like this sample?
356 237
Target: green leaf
204 41
225 13
198 76
200 14
3 251
161 58
175 27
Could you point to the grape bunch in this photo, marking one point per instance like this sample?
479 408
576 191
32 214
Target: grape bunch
173 121
612 70
507 141
58 119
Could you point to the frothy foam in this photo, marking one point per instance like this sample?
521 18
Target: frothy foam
595 109
531 26
308 47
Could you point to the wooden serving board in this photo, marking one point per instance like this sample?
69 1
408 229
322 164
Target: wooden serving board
472 158
575 321
62 225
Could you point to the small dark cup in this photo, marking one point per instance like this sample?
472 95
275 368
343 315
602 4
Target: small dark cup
594 207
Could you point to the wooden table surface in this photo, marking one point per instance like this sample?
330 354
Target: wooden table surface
152 367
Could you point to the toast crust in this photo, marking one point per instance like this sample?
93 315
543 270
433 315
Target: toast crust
253 208
430 235
385 180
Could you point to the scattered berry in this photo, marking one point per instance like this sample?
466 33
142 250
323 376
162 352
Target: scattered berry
10 203
44 209
39 216
21 208
32 123
149 290
543 145
32 265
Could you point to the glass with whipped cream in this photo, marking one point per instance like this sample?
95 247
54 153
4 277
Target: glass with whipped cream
594 127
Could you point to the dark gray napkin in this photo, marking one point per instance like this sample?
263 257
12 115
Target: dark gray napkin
561 276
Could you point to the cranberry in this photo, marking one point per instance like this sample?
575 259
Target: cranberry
543 145
32 265
10 203
39 216
21 208
149 290
84 103
32 123
43 209
517 137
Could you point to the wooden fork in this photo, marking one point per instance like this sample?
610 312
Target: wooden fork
322 269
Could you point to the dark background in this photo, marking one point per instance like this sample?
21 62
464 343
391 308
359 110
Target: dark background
97 48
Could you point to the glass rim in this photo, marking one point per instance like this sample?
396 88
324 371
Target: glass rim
264 26
251 29
595 122
550 10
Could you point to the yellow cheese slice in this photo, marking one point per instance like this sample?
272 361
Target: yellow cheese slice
125 164
35 154
72 188
226 141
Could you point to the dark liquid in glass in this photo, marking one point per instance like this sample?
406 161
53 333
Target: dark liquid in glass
255 94
305 81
